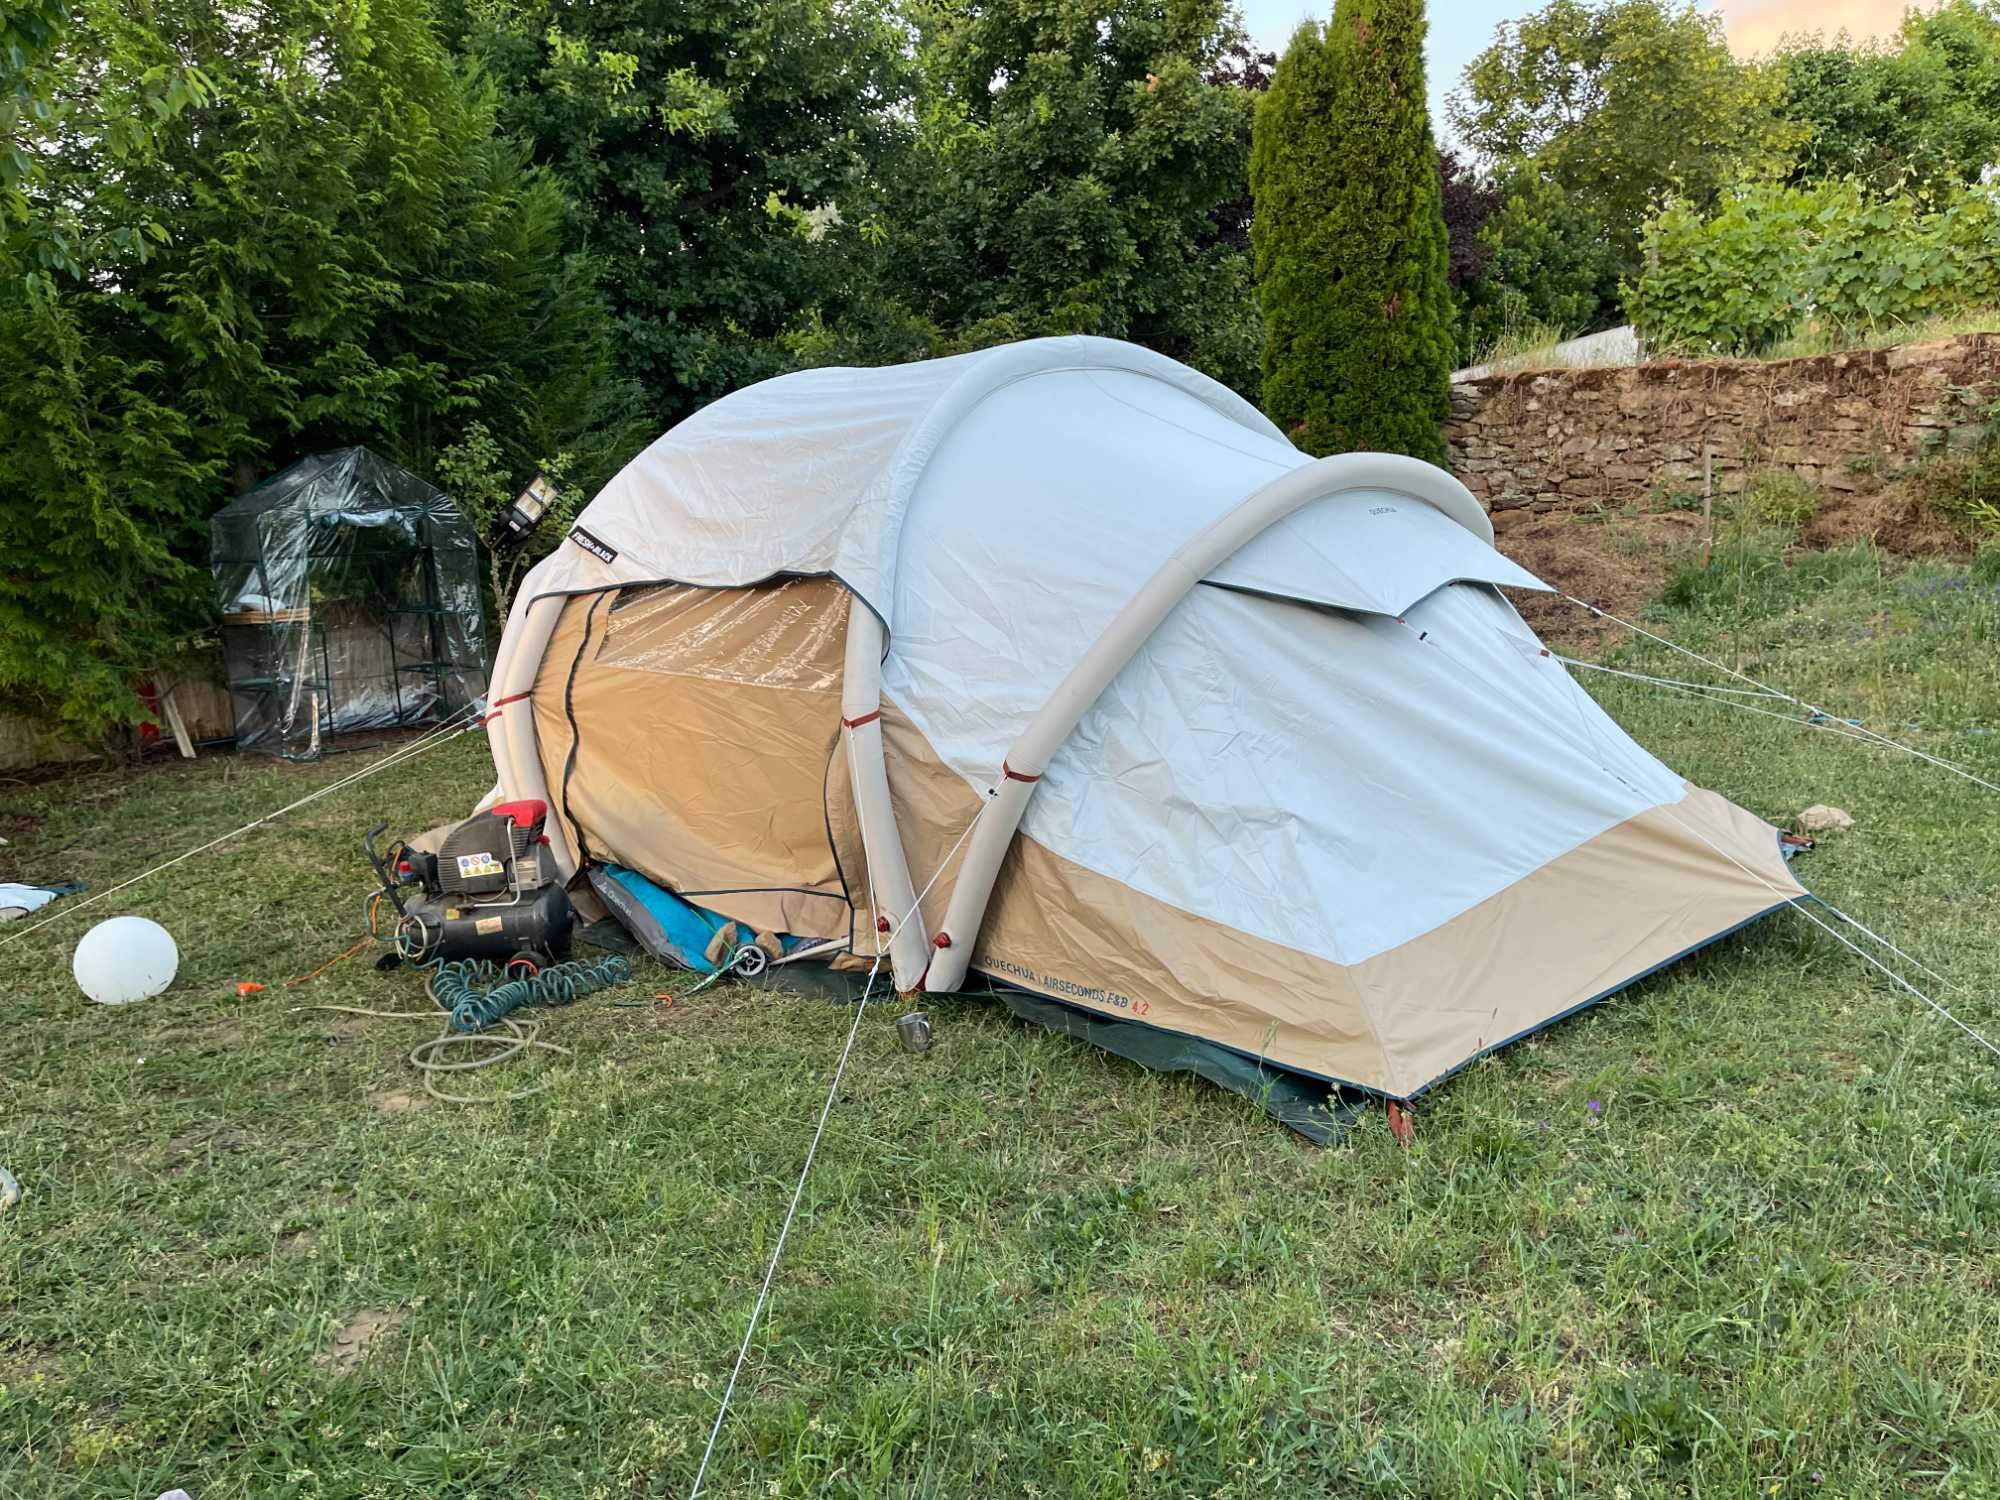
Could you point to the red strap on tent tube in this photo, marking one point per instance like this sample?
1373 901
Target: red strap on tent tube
493 708
868 718
1008 773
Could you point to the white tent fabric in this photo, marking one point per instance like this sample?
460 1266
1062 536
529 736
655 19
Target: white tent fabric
817 472
1451 763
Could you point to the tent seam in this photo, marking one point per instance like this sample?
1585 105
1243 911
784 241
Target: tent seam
1091 374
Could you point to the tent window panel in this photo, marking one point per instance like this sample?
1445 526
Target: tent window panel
789 635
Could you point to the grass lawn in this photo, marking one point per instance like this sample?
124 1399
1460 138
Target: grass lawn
253 1259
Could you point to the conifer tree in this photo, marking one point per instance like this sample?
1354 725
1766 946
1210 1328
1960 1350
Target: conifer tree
231 237
1349 238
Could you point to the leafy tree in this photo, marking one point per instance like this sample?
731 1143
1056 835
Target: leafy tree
318 238
1073 167
1551 265
710 151
1921 112
1616 103
1350 238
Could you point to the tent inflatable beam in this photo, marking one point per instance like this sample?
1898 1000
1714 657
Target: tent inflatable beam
510 720
1129 629
882 842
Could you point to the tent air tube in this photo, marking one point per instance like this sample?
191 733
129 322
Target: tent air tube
893 896
510 730
1128 631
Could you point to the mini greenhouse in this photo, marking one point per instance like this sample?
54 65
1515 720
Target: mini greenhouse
349 594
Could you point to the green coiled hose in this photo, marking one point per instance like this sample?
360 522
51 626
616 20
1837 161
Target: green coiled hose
468 989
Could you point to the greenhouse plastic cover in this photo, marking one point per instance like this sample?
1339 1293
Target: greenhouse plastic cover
349 595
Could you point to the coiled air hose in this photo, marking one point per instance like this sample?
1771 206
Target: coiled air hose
468 989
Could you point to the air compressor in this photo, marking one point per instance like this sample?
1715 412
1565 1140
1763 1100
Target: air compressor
487 890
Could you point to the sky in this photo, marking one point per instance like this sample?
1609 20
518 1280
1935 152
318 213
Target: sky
1460 28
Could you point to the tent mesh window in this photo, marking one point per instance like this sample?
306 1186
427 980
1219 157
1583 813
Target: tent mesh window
349 596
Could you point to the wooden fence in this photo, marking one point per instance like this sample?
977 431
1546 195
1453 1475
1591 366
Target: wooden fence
205 709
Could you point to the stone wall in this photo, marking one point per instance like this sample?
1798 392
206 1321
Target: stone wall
1576 439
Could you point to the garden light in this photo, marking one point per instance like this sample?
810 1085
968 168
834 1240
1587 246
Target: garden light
525 514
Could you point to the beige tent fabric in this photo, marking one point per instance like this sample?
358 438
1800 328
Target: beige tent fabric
1631 899
1399 1021
705 718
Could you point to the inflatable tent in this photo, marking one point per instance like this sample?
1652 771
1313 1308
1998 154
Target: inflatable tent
1163 719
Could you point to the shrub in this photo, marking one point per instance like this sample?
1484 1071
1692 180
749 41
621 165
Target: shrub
1779 497
1742 278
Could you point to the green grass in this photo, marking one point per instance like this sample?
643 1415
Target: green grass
1771 1266
1528 346
1818 337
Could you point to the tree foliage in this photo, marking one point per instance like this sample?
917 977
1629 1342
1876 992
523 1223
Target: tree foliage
1072 166
1591 112
1618 102
708 150
318 238
1350 239
1923 111
1551 263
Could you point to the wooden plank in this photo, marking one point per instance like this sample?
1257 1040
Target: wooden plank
170 711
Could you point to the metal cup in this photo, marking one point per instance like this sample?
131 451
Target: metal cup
914 1031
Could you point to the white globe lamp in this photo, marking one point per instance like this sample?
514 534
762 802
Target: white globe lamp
123 959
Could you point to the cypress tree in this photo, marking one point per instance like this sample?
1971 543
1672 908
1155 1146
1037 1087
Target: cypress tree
1349 238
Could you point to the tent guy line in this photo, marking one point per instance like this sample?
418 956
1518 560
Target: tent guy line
784 1229
1674 682
1798 903
1861 731
1795 901
1712 688
882 942
429 739
1703 693
1914 962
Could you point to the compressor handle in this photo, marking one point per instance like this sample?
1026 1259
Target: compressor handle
524 812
